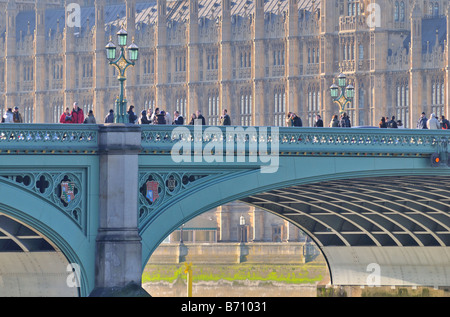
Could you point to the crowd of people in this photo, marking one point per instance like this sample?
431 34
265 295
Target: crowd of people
12 116
158 116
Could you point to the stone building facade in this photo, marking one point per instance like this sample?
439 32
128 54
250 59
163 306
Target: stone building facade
258 59
237 222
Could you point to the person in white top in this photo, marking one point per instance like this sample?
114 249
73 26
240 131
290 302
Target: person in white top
8 117
433 122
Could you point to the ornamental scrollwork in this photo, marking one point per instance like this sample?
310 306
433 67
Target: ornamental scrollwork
158 188
61 189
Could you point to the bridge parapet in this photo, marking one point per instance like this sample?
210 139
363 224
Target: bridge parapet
162 139
48 138
292 141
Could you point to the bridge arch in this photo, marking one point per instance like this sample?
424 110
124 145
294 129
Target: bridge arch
371 233
33 211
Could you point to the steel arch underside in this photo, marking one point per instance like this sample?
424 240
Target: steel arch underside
374 211
340 202
52 223
318 200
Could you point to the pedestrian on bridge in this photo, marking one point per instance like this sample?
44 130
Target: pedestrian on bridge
433 122
66 116
392 123
8 116
201 117
193 118
17 117
225 118
422 123
334 123
345 121
319 122
110 117
143 119
445 124
295 121
382 123
77 114
90 119
132 117
178 119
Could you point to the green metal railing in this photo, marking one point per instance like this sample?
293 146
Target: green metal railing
48 138
163 139
296 141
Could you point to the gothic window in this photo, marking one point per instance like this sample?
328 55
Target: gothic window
28 113
149 102
212 61
245 58
313 103
354 8
436 9
402 102
396 11
279 110
361 51
437 96
361 105
213 107
57 110
313 55
402 12
278 57
180 103
246 106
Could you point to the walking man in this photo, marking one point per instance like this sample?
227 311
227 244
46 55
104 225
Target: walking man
17 117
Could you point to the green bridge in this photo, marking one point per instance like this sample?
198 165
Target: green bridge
82 207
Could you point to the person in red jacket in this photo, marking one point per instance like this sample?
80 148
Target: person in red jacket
77 114
66 117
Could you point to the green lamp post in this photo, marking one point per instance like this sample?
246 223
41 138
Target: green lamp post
121 63
345 95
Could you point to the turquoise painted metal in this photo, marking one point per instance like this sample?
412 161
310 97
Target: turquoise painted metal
35 160
193 169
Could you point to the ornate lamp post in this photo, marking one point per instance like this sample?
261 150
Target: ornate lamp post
345 96
121 63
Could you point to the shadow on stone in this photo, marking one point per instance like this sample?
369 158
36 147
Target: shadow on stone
130 290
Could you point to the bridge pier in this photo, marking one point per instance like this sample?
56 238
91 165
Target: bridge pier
119 251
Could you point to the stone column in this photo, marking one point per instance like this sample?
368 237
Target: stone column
119 249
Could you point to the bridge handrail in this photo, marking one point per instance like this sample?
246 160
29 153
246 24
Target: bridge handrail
292 139
48 137
162 138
